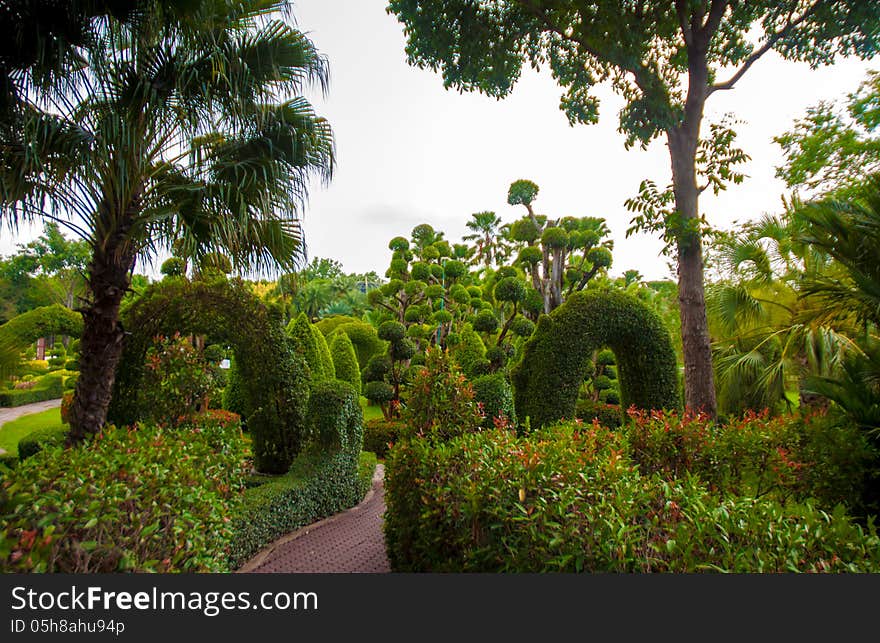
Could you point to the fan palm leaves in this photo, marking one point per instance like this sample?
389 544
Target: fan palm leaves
486 229
179 124
770 336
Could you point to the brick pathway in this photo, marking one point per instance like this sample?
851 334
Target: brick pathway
349 542
7 414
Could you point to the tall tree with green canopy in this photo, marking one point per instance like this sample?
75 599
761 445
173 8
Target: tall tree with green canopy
665 59
173 124
834 147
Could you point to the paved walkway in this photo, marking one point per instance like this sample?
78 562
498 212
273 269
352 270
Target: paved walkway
15 412
349 542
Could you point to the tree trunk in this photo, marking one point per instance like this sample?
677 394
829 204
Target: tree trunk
699 377
101 342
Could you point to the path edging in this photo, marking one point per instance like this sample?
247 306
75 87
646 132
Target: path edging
261 556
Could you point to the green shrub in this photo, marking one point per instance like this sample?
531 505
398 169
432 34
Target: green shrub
330 476
345 360
569 499
328 325
130 500
441 401
45 438
365 340
607 415
470 352
176 381
494 394
305 342
327 367
380 433
49 387
70 383
549 376
71 365
235 394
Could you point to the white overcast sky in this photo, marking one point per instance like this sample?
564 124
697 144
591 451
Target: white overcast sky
410 152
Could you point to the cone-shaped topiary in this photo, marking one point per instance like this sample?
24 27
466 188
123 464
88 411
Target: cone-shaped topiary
306 344
345 360
328 371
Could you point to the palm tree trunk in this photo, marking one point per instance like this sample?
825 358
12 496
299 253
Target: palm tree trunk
101 342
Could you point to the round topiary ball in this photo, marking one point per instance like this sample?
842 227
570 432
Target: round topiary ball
392 331
485 321
555 238
379 392
510 289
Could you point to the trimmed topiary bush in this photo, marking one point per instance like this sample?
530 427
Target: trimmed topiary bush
304 340
495 395
380 434
229 314
235 394
549 376
327 368
469 352
330 476
345 361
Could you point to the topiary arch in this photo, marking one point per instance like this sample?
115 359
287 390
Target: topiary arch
275 377
555 357
25 329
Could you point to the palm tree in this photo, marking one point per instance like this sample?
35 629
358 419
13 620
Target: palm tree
770 334
173 124
848 229
486 228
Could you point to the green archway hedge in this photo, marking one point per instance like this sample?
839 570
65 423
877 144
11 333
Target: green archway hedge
547 379
274 376
25 329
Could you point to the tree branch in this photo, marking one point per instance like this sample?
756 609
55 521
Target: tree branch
771 41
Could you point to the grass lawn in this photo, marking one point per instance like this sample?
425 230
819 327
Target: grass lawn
370 412
12 432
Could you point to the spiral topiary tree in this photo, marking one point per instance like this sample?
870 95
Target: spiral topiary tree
549 376
274 376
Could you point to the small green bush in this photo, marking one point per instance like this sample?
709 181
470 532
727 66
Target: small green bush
71 365
327 367
379 434
441 400
607 415
494 394
470 352
45 438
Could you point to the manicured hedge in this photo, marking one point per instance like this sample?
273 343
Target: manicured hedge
379 434
328 477
227 313
327 367
145 500
50 388
549 376
573 499
365 340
